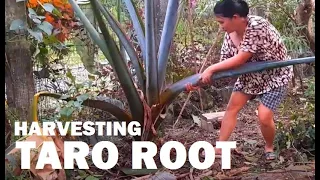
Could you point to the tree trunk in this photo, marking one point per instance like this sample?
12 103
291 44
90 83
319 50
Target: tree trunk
18 66
8 131
303 19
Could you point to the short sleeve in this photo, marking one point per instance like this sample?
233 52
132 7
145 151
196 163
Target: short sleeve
253 37
225 52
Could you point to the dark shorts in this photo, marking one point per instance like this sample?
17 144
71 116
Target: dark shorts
273 98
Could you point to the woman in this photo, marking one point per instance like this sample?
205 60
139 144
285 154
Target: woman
250 39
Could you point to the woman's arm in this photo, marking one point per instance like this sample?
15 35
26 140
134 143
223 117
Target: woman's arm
231 63
251 44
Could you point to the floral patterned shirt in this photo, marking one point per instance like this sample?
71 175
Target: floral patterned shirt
263 40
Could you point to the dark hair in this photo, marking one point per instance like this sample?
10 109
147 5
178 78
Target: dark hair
228 8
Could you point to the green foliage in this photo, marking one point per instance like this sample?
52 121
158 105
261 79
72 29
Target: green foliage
111 51
299 132
67 111
72 106
310 92
86 55
282 15
25 175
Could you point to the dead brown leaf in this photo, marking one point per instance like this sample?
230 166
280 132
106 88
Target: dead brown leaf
251 158
237 171
299 168
47 173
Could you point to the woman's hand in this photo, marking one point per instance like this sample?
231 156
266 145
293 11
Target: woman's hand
189 87
206 76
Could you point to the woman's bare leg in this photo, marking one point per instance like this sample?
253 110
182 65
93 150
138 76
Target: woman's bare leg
267 126
229 121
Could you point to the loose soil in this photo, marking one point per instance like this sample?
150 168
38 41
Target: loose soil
247 160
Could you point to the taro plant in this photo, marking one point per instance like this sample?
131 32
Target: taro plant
149 97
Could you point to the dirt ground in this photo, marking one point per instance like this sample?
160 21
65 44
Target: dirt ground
247 161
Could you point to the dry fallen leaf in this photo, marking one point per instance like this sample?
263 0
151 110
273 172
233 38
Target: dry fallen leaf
251 158
299 168
47 173
237 171
273 164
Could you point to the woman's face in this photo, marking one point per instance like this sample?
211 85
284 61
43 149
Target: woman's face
227 24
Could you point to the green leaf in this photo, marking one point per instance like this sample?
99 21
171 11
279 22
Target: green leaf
91 178
91 77
167 35
70 104
59 45
36 34
64 97
151 65
36 20
36 52
17 24
66 111
34 17
69 75
86 54
91 30
48 7
46 27
51 39
119 10
31 12
57 12
119 113
79 85
137 24
121 69
41 17
82 173
116 27
82 97
77 104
